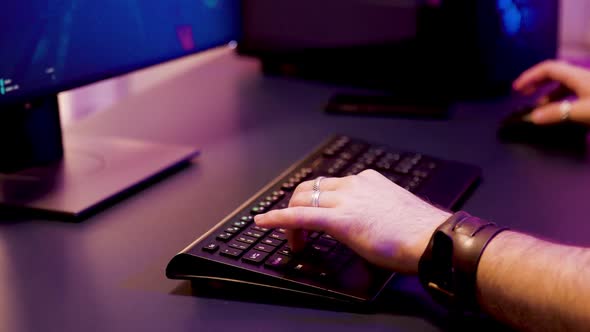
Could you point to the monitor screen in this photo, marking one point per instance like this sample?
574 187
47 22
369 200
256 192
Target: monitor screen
48 46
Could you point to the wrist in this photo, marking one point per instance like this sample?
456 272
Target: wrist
428 225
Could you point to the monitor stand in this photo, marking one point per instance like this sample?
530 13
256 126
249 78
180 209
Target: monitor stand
73 176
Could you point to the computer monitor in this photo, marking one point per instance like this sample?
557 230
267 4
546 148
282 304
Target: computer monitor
47 47
445 48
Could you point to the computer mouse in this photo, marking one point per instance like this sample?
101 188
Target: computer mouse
516 128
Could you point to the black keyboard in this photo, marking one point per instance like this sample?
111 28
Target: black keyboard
237 251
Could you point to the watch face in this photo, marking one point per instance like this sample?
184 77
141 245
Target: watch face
436 267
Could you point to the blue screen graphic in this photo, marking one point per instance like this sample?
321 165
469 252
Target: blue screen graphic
511 16
47 46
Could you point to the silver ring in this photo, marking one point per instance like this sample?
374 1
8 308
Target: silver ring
316 184
315 198
565 109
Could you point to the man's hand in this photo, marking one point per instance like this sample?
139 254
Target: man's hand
572 81
379 220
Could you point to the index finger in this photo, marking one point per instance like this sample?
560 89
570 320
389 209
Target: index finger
546 71
295 219
298 217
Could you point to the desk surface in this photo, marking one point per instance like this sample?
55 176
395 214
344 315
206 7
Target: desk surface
107 272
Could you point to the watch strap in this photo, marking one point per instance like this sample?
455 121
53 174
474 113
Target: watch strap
448 267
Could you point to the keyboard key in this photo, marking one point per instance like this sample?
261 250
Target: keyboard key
313 235
254 233
329 152
211 247
246 239
395 178
231 252
224 236
303 268
288 186
384 166
247 219
391 157
419 173
324 275
272 242
407 164
260 229
275 196
336 167
254 256
413 183
328 236
402 169
346 155
358 148
278 193
306 171
232 230
424 169
319 249
326 242
296 179
239 224
239 245
278 262
258 210
285 250
265 204
315 253
264 247
278 236
377 152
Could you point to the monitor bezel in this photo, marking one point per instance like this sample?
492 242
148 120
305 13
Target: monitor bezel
34 94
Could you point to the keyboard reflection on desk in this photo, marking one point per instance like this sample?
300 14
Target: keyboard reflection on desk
237 251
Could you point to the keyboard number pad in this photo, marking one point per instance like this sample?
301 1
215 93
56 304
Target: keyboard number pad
278 262
254 256
231 252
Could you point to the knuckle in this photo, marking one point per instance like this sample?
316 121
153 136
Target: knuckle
305 184
551 63
301 187
370 173
352 180
557 65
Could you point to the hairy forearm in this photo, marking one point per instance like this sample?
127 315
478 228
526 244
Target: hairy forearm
535 285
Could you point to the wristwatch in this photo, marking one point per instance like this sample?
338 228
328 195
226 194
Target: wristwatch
448 266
